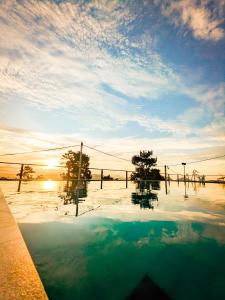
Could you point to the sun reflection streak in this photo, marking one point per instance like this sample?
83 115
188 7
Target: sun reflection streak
49 185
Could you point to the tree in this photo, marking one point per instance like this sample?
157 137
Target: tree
107 177
144 163
27 173
40 177
71 160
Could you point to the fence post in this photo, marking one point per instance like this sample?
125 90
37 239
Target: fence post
126 179
20 178
165 168
178 178
101 179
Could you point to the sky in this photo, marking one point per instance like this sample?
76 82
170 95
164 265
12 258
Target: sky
121 76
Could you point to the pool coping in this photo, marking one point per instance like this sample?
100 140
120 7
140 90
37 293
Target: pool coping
18 275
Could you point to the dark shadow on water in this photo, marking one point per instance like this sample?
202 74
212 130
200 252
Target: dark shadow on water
147 289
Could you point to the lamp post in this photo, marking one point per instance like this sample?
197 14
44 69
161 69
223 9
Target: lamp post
184 164
185 192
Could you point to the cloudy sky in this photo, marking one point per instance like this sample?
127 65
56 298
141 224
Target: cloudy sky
119 75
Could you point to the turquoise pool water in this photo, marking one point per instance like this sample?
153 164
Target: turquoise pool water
119 237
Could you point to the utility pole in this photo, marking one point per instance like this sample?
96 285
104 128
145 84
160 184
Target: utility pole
78 179
80 163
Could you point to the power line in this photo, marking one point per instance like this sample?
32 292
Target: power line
197 161
60 166
105 169
106 153
109 154
211 158
172 170
37 151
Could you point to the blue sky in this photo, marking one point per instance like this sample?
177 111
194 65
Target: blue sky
123 75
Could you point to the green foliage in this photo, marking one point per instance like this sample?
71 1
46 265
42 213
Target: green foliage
27 173
144 167
71 160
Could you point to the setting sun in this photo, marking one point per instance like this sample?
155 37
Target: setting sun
52 163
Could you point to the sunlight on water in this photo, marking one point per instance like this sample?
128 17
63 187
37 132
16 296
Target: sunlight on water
45 200
116 236
49 185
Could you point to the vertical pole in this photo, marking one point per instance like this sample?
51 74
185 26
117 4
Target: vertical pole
77 207
165 168
101 179
80 164
78 179
184 164
165 173
178 178
185 191
21 177
126 179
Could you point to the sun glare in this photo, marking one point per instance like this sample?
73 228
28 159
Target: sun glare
52 163
49 185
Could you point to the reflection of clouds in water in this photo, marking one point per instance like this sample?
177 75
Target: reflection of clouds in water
143 242
182 233
81 256
215 232
205 206
185 233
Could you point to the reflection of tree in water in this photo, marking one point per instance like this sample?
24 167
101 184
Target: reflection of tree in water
73 194
147 185
144 195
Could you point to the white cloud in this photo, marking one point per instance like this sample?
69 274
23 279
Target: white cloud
205 23
168 150
54 57
60 57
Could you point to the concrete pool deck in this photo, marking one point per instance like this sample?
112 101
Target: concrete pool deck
19 279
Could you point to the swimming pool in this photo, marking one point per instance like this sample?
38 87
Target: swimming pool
120 236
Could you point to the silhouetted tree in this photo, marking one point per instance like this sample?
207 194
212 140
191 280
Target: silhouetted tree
71 160
144 163
107 177
40 177
27 173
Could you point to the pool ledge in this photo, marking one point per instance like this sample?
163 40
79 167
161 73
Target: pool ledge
18 276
